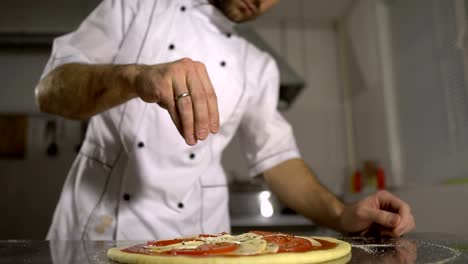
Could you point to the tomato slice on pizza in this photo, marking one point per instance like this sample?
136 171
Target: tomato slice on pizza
252 247
286 243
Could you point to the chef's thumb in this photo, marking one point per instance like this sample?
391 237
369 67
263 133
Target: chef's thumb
384 218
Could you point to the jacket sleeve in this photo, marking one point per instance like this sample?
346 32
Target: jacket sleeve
98 38
267 138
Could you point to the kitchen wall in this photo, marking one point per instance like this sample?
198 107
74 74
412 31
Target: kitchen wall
48 16
32 185
20 70
369 100
406 88
431 90
408 101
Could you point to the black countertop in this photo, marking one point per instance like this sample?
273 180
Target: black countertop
415 248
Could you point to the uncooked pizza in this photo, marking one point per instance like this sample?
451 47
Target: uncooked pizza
255 247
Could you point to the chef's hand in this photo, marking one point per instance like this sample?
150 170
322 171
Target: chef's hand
381 214
195 115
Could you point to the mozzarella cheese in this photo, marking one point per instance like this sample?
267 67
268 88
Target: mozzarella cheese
182 245
271 248
232 239
251 247
314 242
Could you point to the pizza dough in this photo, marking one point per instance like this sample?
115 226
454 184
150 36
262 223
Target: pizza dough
338 254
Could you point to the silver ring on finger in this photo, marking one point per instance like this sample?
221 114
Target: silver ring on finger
182 95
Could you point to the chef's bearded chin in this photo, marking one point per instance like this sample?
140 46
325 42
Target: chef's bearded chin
233 11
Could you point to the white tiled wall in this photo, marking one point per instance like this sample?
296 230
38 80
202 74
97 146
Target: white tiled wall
431 90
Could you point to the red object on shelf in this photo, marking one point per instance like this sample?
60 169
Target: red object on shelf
357 181
380 179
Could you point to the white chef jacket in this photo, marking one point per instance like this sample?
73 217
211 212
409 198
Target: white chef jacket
135 178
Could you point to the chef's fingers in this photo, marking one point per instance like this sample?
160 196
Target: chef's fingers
159 89
212 100
387 232
396 205
184 108
170 105
381 217
407 223
389 201
172 109
199 102
378 230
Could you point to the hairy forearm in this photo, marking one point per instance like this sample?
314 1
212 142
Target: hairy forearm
296 186
79 91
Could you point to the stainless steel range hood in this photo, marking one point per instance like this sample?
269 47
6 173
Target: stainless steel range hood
291 83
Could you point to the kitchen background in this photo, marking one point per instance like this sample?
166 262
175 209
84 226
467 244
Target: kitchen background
385 81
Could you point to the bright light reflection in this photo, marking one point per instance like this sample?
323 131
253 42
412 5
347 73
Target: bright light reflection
266 208
264 195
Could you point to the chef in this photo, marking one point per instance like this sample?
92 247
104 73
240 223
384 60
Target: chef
166 84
